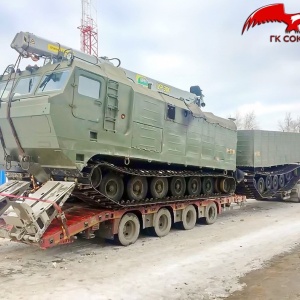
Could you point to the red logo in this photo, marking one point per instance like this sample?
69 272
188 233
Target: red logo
273 13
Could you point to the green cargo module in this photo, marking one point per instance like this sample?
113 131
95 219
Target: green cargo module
261 149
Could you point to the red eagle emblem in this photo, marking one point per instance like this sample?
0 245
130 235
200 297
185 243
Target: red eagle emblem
273 13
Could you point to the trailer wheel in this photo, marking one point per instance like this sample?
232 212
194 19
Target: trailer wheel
159 187
177 186
208 185
281 181
189 218
211 213
112 186
268 182
129 229
137 188
275 183
194 186
162 223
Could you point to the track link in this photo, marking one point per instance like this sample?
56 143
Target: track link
248 186
92 196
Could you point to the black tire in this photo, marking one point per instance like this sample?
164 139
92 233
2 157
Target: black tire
137 188
268 182
129 230
211 213
159 187
177 186
162 223
189 218
260 185
112 186
275 183
207 185
281 181
194 186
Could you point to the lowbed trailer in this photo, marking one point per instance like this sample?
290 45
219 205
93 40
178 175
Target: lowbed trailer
45 220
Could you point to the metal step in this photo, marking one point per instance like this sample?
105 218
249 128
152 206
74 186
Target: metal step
29 217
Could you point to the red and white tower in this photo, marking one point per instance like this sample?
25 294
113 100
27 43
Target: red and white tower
88 29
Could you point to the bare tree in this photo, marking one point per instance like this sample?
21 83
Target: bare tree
248 121
289 124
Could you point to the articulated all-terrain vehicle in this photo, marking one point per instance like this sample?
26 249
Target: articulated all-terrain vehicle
79 127
270 162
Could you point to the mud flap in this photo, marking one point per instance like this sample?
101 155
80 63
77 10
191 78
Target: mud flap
31 216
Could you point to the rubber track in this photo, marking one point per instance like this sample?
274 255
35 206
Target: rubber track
92 196
248 186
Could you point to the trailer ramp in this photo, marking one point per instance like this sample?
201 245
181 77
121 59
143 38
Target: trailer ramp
28 217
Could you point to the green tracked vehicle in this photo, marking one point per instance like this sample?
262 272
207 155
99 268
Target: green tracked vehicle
270 162
123 138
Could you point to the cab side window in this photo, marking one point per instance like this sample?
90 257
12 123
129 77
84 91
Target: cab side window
89 87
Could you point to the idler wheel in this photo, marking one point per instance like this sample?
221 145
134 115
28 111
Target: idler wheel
208 185
177 186
137 188
96 176
281 181
275 183
268 182
194 186
112 186
260 185
159 187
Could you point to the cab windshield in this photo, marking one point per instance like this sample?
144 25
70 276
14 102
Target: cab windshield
53 81
26 85
5 89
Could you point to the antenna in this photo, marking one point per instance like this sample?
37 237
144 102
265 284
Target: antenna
88 29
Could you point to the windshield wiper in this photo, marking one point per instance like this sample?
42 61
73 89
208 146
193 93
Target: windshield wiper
46 81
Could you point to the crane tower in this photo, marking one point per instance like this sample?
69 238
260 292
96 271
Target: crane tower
88 29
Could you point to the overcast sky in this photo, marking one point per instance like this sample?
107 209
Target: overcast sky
181 43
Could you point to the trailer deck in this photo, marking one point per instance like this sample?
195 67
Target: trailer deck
69 219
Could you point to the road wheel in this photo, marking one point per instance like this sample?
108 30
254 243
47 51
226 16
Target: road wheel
260 185
211 213
275 183
281 181
189 218
177 186
217 185
137 188
159 187
208 185
194 186
288 176
268 182
129 229
112 186
162 223
225 185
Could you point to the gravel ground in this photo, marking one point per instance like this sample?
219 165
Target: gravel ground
208 262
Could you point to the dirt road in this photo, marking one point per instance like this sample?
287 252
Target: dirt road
204 263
